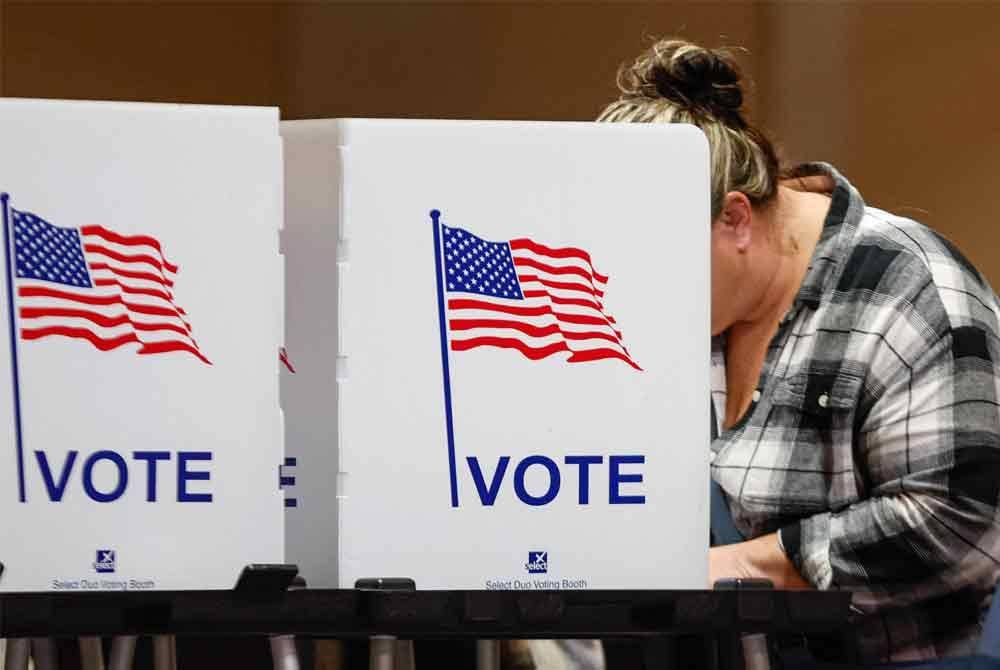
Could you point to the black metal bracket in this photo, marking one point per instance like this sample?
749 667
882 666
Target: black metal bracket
385 584
266 579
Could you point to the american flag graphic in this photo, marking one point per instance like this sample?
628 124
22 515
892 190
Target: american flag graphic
522 295
94 284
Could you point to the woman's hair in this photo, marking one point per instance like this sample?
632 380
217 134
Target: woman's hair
675 81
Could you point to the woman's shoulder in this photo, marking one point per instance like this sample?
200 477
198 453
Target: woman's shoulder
934 249
904 262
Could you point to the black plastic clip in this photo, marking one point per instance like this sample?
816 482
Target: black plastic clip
266 579
385 584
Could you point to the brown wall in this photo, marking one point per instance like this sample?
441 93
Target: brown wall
528 60
3 30
928 92
158 51
899 95
903 97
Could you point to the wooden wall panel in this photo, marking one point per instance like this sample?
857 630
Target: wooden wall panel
902 97
202 52
526 60
531 60
808 87
899 95
3 30
926 90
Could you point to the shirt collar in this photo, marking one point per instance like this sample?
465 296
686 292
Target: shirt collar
842 220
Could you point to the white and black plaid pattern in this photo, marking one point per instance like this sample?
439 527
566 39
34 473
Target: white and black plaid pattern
874 443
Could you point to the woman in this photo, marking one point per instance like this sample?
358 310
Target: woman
855 374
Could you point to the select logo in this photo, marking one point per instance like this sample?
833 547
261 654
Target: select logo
538 562
105 560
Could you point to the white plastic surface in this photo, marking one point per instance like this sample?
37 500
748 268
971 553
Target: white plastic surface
635 197
206 182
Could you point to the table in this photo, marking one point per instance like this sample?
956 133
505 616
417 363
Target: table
377 614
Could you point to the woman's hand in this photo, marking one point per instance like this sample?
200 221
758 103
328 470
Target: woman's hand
760 558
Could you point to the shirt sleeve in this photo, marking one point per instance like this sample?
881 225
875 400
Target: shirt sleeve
926 442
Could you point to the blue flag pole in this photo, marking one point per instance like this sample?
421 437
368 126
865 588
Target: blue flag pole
438 260
5 201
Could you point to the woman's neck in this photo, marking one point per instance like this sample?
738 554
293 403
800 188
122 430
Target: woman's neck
795 222
796 226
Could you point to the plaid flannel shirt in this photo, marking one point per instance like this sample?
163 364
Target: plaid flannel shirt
873 440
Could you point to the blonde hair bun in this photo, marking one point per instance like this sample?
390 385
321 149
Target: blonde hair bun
702 80
675 81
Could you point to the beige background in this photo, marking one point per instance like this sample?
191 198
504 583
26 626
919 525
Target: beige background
902 96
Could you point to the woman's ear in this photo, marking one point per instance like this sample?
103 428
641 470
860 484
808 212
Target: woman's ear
735 221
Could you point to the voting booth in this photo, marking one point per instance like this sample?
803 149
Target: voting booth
498 354
474 355
138 380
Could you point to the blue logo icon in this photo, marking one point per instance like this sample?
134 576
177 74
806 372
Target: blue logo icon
538 562
105 560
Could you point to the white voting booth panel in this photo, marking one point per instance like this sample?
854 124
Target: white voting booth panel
500 335
138 381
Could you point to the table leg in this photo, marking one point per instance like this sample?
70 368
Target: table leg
383 653
18 650
164 652
43 653
487 654
284 655
122 652
91 653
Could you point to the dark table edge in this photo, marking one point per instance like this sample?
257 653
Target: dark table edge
351 613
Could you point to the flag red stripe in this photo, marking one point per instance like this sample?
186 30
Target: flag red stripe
602 320
565 252
131 274
530 329
469 303
102 320
600 354
581 319
552 269
568 286
128 240
44 292
534 353
124 258
526 328
136 290
592 335
582 302
80 334
165 347
104 344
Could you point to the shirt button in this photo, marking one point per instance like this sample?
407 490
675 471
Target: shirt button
756 395
823 400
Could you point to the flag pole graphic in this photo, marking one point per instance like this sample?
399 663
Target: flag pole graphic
4 201
438 260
